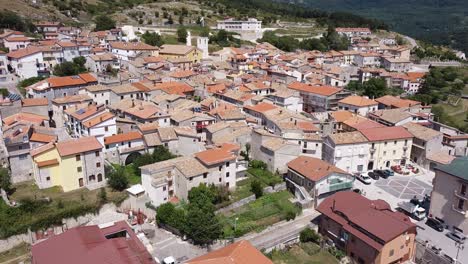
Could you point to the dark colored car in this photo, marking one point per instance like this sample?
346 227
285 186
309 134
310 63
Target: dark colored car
389 172
435 224
373 175
381 173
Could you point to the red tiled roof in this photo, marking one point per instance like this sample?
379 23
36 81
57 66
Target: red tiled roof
45 138
386 133
241 252
179 88
34 101
80 145
261 107
313 168
351 210
88 244
324 90
130 136
396 102
46 163
214 156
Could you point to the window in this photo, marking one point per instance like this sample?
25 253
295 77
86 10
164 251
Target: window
79 169
227 164
463 189
205 175
99 177
98 165
23 156
191 179
78 157
48 178
92 178
20 147
395 142
97 153
385 143
164 188
106 128
219 179
227 174
460 204
385 153
394 152
392 252
220 168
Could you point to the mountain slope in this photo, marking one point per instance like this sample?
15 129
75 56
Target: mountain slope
438 21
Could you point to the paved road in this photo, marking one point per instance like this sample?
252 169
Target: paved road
440 240
411 41
281 231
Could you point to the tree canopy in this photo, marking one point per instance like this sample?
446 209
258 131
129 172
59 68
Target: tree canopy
104 22
182 34
69 68
118 178
153 39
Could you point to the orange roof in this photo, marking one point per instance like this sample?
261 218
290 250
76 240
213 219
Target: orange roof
130 136
23 116
414 76
45 138
307 126
358 101
17 54
386 133
397 102
132 46
88 77
231 147
313 168
261 107
175 88
42 149
98 119
141 86
34 101
214 156
325 90
45 163
56 82
17 39
216 88
182 74
80 145
341 115
241 252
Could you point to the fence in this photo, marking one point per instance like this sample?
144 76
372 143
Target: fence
427 254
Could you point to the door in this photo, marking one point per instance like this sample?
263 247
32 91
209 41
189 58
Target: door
80 182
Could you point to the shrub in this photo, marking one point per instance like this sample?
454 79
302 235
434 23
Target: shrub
309 235
256 188
118 179
258 164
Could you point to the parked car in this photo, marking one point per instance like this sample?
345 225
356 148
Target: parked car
435 224
457 236
381 173
389 172
373 175
364 178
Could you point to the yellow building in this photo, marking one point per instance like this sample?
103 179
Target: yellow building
181 51
71 164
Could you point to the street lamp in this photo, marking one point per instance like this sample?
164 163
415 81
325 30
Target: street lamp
460 246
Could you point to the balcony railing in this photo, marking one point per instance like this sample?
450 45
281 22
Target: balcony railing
459 195
460 211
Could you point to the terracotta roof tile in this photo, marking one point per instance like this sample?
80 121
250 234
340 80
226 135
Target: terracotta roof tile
46 163
130 136
386 133
34 102
44 138
214 156
80 145
313 168
359 101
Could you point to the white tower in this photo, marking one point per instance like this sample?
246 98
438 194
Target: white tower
189 39
202 44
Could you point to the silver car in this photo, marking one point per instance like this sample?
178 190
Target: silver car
457 236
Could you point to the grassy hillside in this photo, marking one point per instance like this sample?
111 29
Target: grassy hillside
442 22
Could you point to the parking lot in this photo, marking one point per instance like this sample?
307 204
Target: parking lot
398 188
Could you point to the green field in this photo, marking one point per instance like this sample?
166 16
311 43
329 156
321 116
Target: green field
259 214
304 253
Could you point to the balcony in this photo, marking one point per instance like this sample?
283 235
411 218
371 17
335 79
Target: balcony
463 212
372 150
459 195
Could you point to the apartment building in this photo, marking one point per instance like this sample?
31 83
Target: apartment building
388 146
449 197
319 98
172 179
358 104
427 143
368 231
55 87
348 151
70 164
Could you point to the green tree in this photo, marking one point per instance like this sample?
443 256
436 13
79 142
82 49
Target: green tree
182 34
181 20
69 68
104 22
5 180
4 92
170 20
256 188
204 227
153 39
118 179
202 191
375 87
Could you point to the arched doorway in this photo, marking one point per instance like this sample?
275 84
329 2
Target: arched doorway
131 158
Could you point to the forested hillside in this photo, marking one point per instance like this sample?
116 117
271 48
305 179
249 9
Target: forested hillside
441 22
